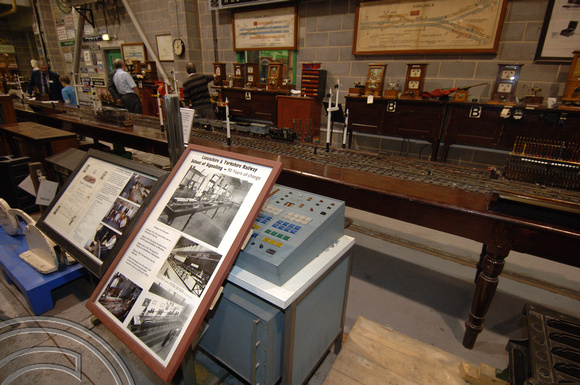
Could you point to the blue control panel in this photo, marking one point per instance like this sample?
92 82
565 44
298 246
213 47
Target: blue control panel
292 229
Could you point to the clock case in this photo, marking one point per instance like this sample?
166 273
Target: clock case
275 72
239 75
415 76
571 96
252 74
219 72
499 96
375 79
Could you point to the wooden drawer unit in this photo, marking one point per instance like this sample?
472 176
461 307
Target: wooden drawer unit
313 82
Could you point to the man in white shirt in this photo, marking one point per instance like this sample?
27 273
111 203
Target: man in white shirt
127 88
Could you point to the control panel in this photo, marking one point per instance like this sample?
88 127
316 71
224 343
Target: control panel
292 229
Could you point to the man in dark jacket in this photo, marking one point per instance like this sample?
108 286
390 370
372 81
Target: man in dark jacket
45 81
113 90
195 92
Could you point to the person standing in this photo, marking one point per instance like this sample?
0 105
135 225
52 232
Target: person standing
45 81
68 92
127 88
113 90
195 92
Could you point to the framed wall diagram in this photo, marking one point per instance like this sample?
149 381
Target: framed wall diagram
272 28
412 26
158 290
94 212
133 51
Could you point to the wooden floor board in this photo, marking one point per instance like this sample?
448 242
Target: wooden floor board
375 354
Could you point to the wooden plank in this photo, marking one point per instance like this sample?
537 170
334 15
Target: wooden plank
376 354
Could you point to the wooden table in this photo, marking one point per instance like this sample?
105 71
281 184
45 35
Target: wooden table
415 119
456 211
37 141
140 138
252 103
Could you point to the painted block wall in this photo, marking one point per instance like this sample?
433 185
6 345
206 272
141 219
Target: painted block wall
326 30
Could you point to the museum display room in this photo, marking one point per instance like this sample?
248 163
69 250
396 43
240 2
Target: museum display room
377 179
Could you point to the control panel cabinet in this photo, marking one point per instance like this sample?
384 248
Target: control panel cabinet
246 334
293 227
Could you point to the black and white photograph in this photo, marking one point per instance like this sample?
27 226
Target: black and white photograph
160 318
190 266
119 296
205 204
138 188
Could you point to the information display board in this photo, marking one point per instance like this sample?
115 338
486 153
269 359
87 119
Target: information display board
158 290
273 28
96 209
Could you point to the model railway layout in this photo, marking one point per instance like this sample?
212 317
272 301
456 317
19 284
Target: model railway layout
446 175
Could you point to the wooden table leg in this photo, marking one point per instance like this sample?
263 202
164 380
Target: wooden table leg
486 284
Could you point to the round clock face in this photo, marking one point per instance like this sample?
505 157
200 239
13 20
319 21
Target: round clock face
178 46
508 74
413 84
415 73
504 87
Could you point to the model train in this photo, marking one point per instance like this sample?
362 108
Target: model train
259 129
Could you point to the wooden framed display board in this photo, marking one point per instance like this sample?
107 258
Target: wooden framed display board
164 47
443 26
559 37
163 281
272 28
95 211
133 51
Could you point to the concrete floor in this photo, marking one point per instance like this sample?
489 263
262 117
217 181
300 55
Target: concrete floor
411 290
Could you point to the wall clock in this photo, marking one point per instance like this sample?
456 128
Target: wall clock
414 82
178 47
504 90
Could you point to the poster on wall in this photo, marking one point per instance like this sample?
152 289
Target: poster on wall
158 290
95 211
560 35
417 26
274 28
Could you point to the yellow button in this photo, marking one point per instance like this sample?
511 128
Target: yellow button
279 244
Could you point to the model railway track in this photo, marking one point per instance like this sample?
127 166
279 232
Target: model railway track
468 179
